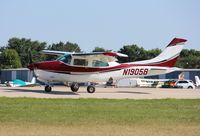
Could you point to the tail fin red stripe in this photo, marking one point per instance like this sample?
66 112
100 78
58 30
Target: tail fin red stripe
176 41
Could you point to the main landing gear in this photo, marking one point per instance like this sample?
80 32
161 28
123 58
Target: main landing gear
74 87
91 89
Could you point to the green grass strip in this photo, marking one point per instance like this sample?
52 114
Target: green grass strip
99 111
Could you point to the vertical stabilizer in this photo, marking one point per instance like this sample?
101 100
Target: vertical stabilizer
169 55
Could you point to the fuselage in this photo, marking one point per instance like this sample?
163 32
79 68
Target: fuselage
58 71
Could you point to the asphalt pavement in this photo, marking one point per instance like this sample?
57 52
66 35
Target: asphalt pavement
107 93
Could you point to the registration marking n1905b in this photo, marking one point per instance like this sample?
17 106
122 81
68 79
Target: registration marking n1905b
135 71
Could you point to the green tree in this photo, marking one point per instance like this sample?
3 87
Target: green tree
68 47
9 59
134 53
23 46
153 53
2 49
189 59
99 49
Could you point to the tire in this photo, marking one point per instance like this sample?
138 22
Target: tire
190 87
90 89
47 88
75 87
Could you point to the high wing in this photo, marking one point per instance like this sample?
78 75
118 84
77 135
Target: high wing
113 54
51 52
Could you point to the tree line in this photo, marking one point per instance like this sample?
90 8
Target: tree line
17 53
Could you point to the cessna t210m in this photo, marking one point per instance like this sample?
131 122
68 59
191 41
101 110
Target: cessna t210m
100 66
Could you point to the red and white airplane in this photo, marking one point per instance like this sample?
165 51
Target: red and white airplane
100 66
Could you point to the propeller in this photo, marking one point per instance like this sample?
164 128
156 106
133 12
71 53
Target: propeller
30 56
31 65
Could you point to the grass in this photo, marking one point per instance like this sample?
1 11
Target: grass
31 116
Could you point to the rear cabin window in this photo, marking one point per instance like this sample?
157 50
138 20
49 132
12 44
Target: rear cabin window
80 62
97 63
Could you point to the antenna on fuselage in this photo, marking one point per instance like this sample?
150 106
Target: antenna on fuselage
75 49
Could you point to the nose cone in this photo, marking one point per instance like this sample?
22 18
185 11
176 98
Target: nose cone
46 65
34 66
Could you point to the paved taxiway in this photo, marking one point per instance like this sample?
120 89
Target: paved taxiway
109 93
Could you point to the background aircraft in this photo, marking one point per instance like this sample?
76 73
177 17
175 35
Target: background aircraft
100 66
18 83
197 81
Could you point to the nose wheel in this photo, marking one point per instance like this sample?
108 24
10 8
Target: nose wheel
47 88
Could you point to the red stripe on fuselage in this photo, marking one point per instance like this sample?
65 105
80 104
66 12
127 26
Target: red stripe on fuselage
168 63
61 67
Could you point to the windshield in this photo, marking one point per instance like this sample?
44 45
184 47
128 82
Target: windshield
66 59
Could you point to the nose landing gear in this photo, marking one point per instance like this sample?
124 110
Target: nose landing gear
48 88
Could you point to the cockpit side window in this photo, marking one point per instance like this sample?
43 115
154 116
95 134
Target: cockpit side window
97 63
80 62
66 59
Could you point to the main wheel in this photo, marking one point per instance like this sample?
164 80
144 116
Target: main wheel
90 89
190 87
47 88
74 87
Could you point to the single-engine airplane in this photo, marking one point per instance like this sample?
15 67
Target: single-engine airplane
20 83
100 66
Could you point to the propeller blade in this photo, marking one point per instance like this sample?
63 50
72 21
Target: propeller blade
30 56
